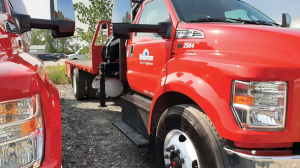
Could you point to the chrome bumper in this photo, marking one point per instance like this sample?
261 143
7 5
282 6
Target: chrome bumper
241 160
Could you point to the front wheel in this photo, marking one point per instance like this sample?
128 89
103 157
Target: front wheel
186 138
54 59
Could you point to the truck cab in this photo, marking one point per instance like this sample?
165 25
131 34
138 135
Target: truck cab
30 114
204 83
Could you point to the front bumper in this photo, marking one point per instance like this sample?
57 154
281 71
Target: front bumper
238 160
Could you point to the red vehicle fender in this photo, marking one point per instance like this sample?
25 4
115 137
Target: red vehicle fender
208 83
52 120
200 92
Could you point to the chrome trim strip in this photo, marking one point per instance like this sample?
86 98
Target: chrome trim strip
12 27
188 33
238 160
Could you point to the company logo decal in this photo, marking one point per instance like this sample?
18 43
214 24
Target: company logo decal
145 58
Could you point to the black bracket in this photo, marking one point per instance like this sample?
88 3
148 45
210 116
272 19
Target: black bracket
102 85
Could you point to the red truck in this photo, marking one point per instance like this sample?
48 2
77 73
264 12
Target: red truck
211 84
30 114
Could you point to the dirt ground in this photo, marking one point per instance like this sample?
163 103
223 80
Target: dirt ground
89 138
52 63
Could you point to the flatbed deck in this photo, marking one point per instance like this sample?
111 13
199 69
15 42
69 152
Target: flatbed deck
87 63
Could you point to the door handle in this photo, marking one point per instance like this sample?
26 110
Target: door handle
131 51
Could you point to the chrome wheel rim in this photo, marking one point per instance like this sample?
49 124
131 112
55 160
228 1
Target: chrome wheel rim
74 83
179 151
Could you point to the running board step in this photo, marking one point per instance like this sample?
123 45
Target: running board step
139 101
136 138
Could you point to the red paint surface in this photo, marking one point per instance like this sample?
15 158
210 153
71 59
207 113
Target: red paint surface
205 73
22 76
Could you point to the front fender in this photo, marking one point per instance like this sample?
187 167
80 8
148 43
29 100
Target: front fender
205 96
208 82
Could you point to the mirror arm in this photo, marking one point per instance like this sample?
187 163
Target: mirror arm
61 28
123 30
39 24
144 28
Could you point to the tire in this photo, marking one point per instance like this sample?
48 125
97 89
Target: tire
186 125
91 91
54 59
78 85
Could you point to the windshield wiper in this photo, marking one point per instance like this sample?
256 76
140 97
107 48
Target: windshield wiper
210 20
258 22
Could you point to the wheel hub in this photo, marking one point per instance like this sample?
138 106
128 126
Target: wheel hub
179 151
177 162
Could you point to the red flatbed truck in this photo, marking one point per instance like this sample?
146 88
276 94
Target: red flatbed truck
211 84
88 68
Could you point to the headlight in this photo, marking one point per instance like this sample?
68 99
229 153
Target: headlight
260 105
21 133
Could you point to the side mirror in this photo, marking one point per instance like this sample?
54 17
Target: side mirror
62 21
122 22
286 20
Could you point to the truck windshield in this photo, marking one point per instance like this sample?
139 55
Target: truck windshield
219 11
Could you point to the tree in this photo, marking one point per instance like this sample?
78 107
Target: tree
44 37
98 10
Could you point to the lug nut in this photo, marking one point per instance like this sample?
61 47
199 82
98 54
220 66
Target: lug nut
167 166
166 156
177 152
168 149
181 160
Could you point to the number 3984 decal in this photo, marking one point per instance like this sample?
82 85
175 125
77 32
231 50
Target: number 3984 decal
189 45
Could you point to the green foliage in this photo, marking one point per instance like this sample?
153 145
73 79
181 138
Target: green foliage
57 74
59 45
126 18
90 15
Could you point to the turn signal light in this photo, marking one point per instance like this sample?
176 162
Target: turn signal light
21 133
260 105
243 100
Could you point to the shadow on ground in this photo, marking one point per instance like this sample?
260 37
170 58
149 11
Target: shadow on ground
89 138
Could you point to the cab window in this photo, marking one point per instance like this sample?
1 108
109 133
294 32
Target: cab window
154 12
189 10
237 14
18 6
2 7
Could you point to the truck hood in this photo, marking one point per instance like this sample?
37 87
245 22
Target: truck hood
21 75
256 44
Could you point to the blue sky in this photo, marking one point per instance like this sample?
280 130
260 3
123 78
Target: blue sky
272 8
275 8
66 7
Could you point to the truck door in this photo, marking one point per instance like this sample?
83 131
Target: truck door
148 51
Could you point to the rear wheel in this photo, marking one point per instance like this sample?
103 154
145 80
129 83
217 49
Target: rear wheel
187 138
54 59
78 85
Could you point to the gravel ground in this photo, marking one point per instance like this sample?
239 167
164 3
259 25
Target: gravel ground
90 140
